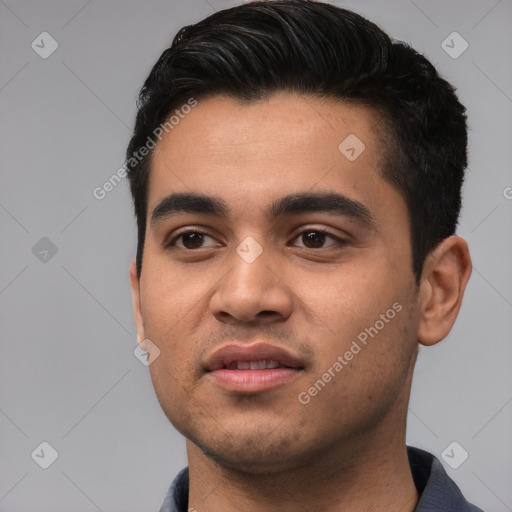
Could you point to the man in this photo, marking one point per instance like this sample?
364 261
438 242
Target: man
296 179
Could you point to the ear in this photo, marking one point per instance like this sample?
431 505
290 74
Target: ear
445 274
137 311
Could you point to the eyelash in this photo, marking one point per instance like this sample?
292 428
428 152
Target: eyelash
339 241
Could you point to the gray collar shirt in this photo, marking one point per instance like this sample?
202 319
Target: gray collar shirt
438 492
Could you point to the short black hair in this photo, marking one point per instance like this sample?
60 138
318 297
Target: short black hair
253 50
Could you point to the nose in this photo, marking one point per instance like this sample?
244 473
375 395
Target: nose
252 292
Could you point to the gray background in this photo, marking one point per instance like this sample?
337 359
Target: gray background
68 375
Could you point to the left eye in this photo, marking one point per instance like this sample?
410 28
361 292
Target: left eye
190 240
315 239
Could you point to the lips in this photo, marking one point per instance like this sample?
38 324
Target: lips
252 357
252 368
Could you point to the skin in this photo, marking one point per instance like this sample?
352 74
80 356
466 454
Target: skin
345 449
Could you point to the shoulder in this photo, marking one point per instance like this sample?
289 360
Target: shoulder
438 492
176 498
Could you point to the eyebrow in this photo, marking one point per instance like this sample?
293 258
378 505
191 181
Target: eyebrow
306 202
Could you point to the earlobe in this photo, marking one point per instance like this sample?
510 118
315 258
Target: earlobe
137 311
445 274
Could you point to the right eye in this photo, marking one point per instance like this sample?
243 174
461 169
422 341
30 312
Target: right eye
190 240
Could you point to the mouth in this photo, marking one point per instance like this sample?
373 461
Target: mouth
263 364
252 368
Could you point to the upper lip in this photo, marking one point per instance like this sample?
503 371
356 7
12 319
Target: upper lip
227 354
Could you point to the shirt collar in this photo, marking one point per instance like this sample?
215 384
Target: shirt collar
438 492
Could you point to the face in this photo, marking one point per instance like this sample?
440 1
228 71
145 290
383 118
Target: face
277 281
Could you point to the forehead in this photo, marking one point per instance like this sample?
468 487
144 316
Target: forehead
282 122
254 152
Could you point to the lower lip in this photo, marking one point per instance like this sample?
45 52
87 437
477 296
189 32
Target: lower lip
252 381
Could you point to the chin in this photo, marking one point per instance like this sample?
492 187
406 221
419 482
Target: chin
262 461
261 450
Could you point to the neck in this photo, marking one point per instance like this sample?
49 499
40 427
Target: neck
364 475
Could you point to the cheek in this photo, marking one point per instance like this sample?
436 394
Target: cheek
173 376
348 299
363 316
169 296
169 308
360 374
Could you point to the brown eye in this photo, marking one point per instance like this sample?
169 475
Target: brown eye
190 240
315 239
